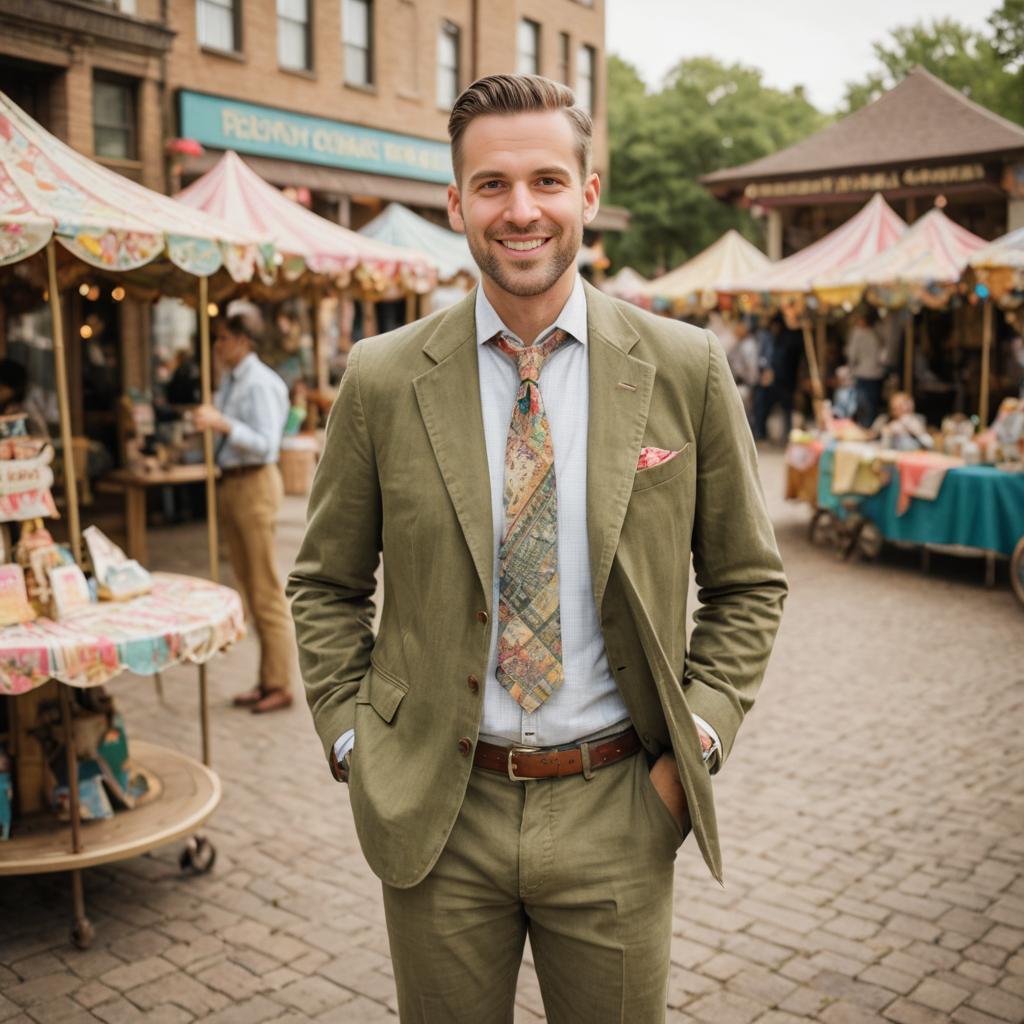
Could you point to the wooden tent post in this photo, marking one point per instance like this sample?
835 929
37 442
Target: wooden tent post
817 390
908 354
986 361
319 351
410 307
820 344
70 483
207 396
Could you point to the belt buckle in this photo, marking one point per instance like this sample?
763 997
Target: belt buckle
512 751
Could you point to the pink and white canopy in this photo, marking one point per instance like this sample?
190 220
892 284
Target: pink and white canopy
231 190
874 228
924 264
48 189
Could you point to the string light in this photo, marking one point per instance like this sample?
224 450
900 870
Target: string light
83 290
117 294
213 309
85 331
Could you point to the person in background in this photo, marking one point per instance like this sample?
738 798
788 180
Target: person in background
844 400
14 397
866 359
298 408
743 361
249 415
903 429
778 356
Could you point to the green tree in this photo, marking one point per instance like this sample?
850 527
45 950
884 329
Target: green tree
1008 36
707 116
962 57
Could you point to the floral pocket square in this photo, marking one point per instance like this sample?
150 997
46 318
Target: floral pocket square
651 457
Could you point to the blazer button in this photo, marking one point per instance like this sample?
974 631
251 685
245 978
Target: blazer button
481 617
473 683
465 746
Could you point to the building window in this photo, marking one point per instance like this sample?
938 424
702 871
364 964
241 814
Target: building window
564 49
293 36
586 61
447 65
113 119
217 24
529 47
357 32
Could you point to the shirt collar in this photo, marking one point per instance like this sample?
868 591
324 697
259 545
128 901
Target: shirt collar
244 366
572 319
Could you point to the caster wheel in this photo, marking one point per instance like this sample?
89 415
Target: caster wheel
870 541
822 528
198 856
82 933
1017 570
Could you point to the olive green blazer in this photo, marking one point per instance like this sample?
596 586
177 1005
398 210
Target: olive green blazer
404 472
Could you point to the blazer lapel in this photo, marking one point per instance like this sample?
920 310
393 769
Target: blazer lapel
449 400
620 397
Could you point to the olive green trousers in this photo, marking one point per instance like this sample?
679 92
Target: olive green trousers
583 867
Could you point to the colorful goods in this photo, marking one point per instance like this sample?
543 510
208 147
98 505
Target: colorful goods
183 619
69 591
14 602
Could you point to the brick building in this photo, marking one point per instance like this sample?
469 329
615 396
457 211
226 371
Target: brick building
347 99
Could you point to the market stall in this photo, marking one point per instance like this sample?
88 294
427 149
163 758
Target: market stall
790 283
56 641
627 284
397 225
923 268
316 257
696 285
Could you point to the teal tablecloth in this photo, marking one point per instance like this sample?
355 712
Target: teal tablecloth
977 507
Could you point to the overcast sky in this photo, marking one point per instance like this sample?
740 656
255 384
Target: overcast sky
820 45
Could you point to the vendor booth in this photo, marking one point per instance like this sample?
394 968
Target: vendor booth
66 761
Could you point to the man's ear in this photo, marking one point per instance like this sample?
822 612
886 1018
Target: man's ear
455 209
591 197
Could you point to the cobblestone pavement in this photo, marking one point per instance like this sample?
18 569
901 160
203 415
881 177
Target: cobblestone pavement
871 814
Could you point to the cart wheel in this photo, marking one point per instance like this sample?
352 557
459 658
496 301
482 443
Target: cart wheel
870 541
82 933
1017 570
198 856
822 528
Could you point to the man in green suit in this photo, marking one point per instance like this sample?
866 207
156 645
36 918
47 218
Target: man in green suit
529 738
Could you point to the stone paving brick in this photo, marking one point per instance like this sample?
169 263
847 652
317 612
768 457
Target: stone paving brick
872 997
181 990
888 977
132 975
313 995
724 1008
905 1012
92 994
983 953
938 995
60 1011
967 1015
366 1010
847 1013
235 982
42 989
999 1004
36 966
723 966
187 953
761 985
805 1002
250 1011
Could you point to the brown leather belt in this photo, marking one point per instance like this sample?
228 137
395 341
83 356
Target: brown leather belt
230 471
524 763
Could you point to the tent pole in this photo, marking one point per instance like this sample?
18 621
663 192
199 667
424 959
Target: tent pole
70 484
908 354
817 391
207 396
820 342
410 307
986 361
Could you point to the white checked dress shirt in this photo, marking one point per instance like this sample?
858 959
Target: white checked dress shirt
254 399
588 703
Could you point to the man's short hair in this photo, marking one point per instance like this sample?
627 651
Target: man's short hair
518 94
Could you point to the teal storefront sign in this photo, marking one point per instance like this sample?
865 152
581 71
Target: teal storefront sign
264 131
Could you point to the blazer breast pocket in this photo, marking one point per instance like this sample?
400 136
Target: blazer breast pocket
663 472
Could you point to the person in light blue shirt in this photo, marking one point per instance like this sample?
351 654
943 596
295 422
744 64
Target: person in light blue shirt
248 419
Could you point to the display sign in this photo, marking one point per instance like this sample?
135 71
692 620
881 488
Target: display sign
265 131
867 181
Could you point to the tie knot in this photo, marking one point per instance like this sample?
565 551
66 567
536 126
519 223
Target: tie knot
530 358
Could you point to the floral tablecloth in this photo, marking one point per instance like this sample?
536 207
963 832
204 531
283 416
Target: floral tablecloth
182 619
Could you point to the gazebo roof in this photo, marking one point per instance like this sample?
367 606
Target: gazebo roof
919 120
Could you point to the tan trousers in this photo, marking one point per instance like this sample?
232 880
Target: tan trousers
247 508
585 868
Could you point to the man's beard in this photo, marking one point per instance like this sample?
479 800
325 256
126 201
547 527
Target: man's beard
519 280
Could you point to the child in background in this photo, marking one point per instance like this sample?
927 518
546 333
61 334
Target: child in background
844 399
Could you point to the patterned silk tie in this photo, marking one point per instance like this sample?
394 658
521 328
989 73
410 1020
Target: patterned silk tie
529 625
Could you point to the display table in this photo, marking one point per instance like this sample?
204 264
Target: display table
183 619
134 486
